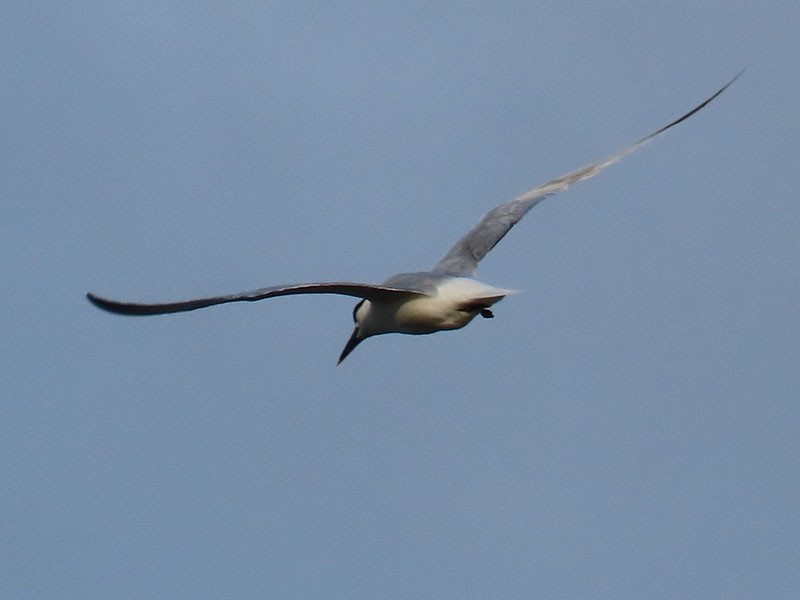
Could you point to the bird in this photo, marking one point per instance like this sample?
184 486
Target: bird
445 298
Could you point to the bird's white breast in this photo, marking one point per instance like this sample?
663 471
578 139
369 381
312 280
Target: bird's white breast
449 308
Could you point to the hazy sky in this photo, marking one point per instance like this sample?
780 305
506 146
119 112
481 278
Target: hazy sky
627 427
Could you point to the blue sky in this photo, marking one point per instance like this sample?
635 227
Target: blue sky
628 427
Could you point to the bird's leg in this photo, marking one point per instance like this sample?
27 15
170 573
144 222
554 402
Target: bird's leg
487 314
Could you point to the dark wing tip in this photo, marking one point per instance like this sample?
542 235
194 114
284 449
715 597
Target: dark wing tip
696 109
97 300
120 308
102 303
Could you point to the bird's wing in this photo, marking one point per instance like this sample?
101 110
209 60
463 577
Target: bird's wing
464 256
358 290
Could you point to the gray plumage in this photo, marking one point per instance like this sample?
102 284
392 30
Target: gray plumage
464 256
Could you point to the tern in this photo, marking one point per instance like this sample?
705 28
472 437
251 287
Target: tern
446 297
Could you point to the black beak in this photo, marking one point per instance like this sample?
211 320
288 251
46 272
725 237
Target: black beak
354 341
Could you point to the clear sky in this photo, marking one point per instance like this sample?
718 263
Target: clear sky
627 427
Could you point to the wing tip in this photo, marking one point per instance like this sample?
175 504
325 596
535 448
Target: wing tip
117 308
95 300
101 303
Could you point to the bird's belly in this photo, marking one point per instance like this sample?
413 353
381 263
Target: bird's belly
426 315
456 302
451 308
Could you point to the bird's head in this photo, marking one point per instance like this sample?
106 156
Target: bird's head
360 332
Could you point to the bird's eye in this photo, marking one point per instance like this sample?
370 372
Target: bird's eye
355 310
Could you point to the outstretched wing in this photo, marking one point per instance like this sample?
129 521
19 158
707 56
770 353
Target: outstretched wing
464 256
358 290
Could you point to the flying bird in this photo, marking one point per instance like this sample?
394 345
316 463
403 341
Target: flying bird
444 298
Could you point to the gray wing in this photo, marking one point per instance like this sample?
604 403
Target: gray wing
357 290
464 256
